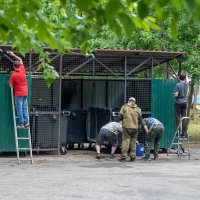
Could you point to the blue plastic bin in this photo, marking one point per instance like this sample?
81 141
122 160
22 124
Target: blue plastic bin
140 150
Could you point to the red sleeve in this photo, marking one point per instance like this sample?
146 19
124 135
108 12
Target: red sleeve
23 68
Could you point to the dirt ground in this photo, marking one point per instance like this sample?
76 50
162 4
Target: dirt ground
78 175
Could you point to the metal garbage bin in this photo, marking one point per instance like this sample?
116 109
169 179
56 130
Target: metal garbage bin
76 128
63 131
97 117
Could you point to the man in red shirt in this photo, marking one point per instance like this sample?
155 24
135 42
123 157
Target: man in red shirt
19 84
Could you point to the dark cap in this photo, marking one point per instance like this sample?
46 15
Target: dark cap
16 63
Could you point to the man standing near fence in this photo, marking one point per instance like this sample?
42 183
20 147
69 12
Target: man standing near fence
180 105
131 116
19 84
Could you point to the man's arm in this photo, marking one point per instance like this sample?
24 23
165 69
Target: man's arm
145 126
175 94
120 115
146 129
140 116
16 57
176 91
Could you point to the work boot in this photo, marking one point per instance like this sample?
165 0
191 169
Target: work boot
122 159
147 159
20 126
27 125
112 156
132 159
155 156
182 135
98 156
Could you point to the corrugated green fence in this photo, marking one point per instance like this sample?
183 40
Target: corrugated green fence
163 107
7 137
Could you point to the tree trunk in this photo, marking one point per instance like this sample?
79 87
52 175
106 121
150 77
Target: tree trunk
191 90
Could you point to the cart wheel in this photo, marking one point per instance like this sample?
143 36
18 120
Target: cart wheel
70 146
81 146
93 147
164 150
90 146
63 150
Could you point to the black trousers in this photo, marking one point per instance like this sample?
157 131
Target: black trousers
180 111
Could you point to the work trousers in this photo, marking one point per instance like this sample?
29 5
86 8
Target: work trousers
129 137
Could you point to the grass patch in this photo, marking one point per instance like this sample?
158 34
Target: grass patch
194 131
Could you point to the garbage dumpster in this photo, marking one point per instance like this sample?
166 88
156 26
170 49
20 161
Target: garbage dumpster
76 128
44 127
97 117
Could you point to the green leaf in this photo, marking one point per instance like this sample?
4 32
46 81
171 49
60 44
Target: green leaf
112 8
115 27
173 26
83 5
143 9
127 24
177 4
85 47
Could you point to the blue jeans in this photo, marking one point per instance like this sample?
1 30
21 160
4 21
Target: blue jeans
21 108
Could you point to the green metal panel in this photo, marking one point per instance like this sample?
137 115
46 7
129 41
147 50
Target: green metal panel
94 93
71 94
163 108
115 96
7 137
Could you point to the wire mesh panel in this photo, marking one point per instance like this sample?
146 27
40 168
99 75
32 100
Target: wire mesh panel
141 90
45 114
6 61
77 66
115 94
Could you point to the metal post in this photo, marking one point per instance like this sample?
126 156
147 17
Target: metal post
179 66
93 68
152 72
125 78
60 95
30 63
167 70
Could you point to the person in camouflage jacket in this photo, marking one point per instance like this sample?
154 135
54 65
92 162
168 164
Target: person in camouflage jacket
131 116
154 130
